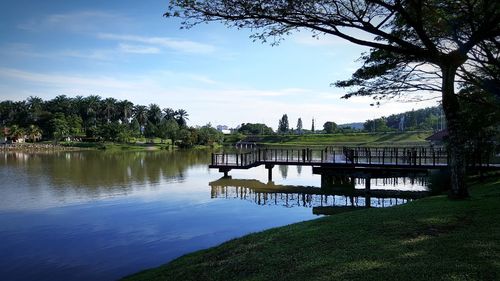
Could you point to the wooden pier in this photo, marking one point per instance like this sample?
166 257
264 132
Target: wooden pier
387 158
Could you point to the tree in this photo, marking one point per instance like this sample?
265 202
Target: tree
330 127
170 129
255 129
312 126
141 115
35 106
168 113
135 128
125 108
154 114
181 117
283 124
415 46
59 127
34 133
208 135
109 109
16 132
299 126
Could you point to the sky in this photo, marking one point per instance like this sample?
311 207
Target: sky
127 50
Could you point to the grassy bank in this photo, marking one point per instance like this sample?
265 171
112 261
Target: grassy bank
429 239
375 139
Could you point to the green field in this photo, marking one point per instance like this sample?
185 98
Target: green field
428 239
371 139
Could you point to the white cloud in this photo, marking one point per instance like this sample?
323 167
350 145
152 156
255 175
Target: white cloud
138 49
81 21
180 45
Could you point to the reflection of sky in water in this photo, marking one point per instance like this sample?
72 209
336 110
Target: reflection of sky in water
99 216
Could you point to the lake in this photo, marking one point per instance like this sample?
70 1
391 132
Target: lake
95 215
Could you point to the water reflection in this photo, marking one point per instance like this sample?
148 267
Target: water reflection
47 179
341 191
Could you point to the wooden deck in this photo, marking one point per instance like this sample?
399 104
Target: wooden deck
388 158
358 156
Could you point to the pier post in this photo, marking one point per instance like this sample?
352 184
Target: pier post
225 171
368 197
269 168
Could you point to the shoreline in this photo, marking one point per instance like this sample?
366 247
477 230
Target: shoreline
423 240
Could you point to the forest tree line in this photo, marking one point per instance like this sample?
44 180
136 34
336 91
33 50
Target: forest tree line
93 118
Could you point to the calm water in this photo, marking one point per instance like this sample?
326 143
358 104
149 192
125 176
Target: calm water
100 216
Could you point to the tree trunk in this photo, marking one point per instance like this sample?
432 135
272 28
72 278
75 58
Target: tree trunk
456 142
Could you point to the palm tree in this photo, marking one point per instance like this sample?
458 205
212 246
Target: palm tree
125 107
16 132
109 108
168 113
35 107
181 117
34 133
89 117
141 114
154 114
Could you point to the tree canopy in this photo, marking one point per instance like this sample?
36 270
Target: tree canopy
417 46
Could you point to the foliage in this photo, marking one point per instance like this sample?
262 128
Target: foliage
330 127
169 129
430 118
283 126
255 129
92 116
59 127
416 46
208 135
299 126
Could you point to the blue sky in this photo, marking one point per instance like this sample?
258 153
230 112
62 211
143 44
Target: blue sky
128 50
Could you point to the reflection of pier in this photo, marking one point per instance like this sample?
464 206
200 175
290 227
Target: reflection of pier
289 196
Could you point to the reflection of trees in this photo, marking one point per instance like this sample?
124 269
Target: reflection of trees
283 171
97 169
299 169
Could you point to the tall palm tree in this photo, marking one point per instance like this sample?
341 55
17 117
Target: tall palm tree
34 133
141 114
35 107
168 113
92 104
154 114
109 108
181 117
126 108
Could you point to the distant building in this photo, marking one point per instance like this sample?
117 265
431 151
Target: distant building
224 129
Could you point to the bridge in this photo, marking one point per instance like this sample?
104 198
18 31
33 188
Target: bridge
362 159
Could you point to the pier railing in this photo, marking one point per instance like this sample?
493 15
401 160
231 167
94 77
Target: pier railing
398 156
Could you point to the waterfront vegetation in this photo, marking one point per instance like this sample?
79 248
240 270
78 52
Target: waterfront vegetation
94 119
358 138
429 239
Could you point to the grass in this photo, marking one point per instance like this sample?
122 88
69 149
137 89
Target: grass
375 139
428 239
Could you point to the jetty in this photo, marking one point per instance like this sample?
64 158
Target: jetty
363 160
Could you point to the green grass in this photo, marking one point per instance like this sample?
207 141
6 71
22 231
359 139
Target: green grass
429 239
375 139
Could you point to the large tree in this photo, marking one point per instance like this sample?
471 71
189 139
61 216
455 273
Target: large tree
416 45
